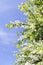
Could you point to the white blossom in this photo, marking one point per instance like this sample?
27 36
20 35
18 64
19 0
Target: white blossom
27 63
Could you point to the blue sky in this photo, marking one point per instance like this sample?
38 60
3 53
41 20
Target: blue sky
8 12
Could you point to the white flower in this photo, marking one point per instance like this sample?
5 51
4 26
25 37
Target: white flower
22 37
27 63
24 44
42 11
26 13
41 52
22 26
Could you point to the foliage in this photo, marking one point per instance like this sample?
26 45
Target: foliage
30 43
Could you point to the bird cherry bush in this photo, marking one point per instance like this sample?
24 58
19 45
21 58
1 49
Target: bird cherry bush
30 43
